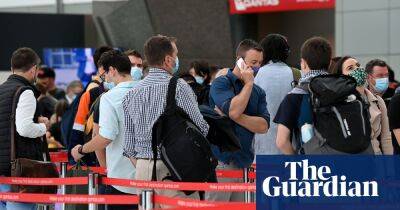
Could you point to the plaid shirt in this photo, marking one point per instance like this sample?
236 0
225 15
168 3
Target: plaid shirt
145 103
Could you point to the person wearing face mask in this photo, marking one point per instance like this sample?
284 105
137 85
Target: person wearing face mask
253 61
381 139
236 96
276 78
200 70
378 76
111 135
74 88
82 128
145 103
136 64
29 126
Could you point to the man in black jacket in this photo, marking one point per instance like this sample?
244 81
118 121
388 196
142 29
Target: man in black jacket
29 126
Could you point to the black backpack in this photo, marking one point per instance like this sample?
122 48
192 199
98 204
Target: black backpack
183 148
68 118
340 117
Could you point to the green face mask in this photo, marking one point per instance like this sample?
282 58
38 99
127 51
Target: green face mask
360 75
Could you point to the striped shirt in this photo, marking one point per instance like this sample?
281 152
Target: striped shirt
145 103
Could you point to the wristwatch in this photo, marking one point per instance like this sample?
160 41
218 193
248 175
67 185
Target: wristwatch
80 150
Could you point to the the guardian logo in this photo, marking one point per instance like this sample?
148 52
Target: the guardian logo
316 182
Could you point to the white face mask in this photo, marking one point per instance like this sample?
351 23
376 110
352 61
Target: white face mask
136 73
72 97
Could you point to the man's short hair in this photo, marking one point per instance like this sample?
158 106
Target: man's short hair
24 59
276 48
317 52
98 52
117 60
156 48
74 84
246 45
133 53
375 62
46 72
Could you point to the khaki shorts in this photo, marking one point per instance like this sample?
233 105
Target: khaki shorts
144 171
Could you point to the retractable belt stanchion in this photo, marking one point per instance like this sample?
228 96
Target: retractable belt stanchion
45 207
147 200
247 194
63 187
93 184
252 194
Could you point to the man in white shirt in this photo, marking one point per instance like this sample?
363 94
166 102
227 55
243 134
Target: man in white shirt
111 124
29 126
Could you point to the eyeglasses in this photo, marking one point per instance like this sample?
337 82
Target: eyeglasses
103 76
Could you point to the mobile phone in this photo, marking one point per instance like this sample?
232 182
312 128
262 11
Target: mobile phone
240 63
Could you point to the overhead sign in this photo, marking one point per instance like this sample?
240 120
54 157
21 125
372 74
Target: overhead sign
258 6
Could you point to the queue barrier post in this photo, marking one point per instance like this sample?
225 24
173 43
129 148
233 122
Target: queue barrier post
252 194
247 194
93 185
146 200
44 207
63 187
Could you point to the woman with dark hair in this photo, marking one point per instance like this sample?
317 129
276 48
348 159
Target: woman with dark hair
200 70
276 78
53 136
381 139
334 61
276 49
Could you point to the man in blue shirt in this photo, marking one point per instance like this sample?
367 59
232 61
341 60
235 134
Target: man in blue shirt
111 124
236 96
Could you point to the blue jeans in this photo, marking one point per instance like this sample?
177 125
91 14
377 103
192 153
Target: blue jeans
14 205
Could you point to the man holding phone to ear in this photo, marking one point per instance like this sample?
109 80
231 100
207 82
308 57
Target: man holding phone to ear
235 95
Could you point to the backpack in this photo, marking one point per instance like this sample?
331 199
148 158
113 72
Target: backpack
68 119
88 130
339 116
182 147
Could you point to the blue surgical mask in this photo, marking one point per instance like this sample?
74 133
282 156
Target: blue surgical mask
382 85
73 97
255 69
176 68
136 73
199 79
108 85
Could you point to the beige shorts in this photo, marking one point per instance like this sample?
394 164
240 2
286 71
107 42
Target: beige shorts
144 171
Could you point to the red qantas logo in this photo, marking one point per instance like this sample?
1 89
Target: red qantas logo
255 6
242 5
